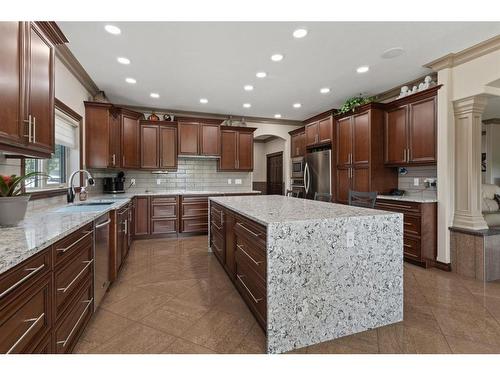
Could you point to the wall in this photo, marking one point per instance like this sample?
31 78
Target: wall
261 150
192 174
491 146
406 182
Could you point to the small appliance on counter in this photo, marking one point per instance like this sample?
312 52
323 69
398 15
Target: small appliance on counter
115 185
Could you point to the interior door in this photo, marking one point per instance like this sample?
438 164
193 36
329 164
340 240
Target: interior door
344 142
130 142
229 140
275 174
361 138
422 132
149 146
245 151
41 90
396 139
168 147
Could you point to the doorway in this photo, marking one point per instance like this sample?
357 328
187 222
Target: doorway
275 173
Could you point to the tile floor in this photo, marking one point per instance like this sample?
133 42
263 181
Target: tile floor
174 297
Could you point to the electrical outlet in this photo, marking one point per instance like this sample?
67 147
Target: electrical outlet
132 181
350 239
158 181
237 181
229 181
416 182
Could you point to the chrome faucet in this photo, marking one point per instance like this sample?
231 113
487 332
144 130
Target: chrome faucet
71 190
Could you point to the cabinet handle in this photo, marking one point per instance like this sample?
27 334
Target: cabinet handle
240 277
409 246
35 321
215 225
64 342
404 154
32 272
409 154
123 160
34 129
113 159
103 224
248 255
64 249
87 264
29 128
248 230
395 206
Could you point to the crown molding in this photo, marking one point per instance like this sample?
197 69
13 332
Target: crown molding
53 31
393 93
64 54
454 59
495 121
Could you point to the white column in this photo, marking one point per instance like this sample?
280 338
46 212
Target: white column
468 113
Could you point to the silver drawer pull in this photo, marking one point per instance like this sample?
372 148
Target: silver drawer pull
64 342
35 322
103 224
63 250
248 255
248 230
256 300
216 210
87 264
32 272
215 225
394 205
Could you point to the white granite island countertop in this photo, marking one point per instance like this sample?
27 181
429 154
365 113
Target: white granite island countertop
320 285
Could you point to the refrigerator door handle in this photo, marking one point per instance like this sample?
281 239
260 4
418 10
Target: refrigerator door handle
306 178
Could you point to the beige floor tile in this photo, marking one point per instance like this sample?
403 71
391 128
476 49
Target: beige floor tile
103 326
84 347
461 346
181 346
492 304
170 287
399 339
170 322
253 343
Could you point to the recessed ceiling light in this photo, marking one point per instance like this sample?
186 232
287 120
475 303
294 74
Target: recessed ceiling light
123 60
297 105
247 105
203 100
324 90
248 87
112 29
154 95
130 80
277 57
391 53
261 74
363 69
277 115
299 33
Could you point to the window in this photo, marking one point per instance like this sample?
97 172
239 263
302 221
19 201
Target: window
63 161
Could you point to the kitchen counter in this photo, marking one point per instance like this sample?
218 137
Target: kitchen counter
406 198
38 231
332 270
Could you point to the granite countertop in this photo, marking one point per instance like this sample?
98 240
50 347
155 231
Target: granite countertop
406 198
267 209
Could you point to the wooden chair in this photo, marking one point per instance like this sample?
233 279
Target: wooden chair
291 193
324 197
362 199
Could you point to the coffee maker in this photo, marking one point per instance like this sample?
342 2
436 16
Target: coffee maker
115 185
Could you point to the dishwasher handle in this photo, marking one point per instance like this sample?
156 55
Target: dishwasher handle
103 224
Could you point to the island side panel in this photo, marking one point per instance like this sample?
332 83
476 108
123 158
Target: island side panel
318 289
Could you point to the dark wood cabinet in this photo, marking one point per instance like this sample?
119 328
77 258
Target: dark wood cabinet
194 214
27 95
319 132
410 134
130 140
199 137
297 143
359 156
164 217
209 139
141 216
158 145
236 149
189 138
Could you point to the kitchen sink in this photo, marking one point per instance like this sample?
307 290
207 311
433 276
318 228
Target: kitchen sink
85 207
94 204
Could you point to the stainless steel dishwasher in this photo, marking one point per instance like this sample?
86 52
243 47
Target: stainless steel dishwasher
101 257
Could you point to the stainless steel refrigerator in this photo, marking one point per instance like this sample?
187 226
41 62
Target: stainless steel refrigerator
317 173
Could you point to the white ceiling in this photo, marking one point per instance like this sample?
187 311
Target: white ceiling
184 62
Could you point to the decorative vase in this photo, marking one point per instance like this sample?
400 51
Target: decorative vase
13 209
153 117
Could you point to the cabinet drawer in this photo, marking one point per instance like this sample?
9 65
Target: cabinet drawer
195 209
412 225
26 318
155 200
216 214
251 232
22 274
392 205
254 257
163 226
72 324
45 346
163 210
194 198
216 226
71 276
411 247
71 244
198 224
217 245
253 291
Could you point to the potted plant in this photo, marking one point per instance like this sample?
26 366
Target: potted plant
13 202
352 103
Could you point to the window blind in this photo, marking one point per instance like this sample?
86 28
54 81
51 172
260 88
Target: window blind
65 130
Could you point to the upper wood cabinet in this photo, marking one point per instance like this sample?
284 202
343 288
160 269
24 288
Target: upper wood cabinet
130 139
27 94
199 137
410 136
159 145
236 148
319 132
298 142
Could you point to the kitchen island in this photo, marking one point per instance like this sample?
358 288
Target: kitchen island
310 271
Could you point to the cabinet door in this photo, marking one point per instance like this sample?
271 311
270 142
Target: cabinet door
229 140
149 146
361 138
209 139
168 147
343 184
325 130
395 136
41 91
360 179
130 142
188 138
294 145
141 218
245 151
344 142
312 134
422 132
302 144
11 75
114 140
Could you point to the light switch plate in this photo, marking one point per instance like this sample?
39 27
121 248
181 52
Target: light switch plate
416 181
229 181
237 181
132 181
350 239
158 181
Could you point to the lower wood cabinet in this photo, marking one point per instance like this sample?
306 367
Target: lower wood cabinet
194 214
164 214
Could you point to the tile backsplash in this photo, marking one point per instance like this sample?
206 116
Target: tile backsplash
191 174
407 182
